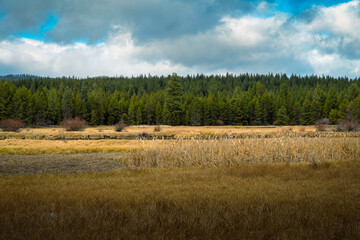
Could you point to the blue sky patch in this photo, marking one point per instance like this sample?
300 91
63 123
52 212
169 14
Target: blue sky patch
2 16
40 32
295 7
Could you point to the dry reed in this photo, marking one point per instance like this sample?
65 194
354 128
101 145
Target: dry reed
226 152
270 201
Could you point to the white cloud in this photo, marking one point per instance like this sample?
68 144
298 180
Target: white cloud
341 20
328 44
118 56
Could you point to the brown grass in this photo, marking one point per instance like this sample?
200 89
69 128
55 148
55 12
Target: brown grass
231 152
31 146
59 163
279 184
245 202
178 131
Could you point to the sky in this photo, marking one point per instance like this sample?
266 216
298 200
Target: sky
84 38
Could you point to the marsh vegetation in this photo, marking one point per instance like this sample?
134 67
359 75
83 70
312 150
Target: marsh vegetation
224 182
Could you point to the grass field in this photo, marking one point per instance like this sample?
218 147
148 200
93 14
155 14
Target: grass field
267 183
136 132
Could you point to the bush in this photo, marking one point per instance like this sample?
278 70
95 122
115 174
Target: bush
220 122
324 121
120 126
74 124
348 125
320 124
320 127
11 124
157 128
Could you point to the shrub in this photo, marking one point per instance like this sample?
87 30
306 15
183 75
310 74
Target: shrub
157 128
11 124
120 126
74 124
324 121
320 124
219 122
348 125
320 127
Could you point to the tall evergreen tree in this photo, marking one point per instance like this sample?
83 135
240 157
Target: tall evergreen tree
40 108
307 116
331 101
114 108
6 95
165 114
282 117
66 106
54 114
78 106
22 105
173 99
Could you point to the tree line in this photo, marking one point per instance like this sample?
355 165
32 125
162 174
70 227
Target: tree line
244 99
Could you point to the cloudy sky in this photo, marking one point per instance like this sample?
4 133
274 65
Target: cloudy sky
130 37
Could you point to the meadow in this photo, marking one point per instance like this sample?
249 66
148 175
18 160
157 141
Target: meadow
224 182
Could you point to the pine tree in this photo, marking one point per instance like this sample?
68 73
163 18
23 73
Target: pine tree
173 99
158 112
40 108
353 91
331 101
334 115
54 114
195 112
66 106
343 109
237 110
282 117
356 105
150 107
22 105
307 116
132 110
6 95
165 114
79 106
257 113
114 109
96 98
138 116
318 103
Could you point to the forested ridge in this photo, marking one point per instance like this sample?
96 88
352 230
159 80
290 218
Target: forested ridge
192 100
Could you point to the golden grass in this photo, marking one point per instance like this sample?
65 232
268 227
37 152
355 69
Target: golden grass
270 183
231 152
31 146
177 131
254 148
244 202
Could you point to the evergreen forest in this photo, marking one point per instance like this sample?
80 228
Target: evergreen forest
197 100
